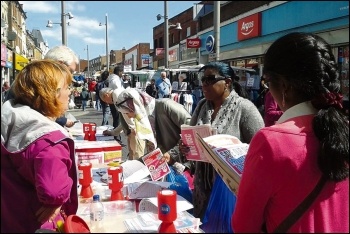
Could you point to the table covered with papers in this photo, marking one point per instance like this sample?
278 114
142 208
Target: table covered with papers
139 213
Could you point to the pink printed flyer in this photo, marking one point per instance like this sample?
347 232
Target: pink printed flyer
156 165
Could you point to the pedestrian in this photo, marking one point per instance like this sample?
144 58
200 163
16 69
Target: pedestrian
126 81
4 90
163 86
91 89
115 82
66 56
38 170
306 149
153 119
106 111
272 111
151 88
84 96
227 111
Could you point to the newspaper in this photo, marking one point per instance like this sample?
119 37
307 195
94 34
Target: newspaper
157 166
227 154
151 204
148 189
188 137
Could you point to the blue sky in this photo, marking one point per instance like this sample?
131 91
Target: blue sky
129 22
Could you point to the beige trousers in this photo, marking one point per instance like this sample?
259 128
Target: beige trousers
136 147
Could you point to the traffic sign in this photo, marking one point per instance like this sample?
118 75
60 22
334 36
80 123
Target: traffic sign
209 43
145 56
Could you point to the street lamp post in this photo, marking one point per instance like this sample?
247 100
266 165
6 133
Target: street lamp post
107 52
63 23
88 62
166 32
166 38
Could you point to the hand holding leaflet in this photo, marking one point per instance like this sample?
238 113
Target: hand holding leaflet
227 154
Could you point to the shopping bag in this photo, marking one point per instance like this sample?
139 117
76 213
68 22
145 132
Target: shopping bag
71 104
179 183
217 218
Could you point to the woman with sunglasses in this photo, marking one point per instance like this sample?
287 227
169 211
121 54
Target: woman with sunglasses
308 146
229 113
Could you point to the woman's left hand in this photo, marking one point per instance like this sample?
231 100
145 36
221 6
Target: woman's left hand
47 213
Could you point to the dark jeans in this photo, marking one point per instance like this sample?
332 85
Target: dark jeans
106 111
115 116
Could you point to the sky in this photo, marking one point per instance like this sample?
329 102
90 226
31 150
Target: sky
129 23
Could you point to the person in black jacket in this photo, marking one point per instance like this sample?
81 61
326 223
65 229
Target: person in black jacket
151 88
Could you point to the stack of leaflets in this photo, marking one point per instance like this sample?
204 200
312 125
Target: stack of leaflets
188 137
227 154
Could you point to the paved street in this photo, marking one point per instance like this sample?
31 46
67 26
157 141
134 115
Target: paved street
92 115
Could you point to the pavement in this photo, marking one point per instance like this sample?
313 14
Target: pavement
91 115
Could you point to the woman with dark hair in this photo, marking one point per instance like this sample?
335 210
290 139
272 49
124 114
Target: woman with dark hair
224 109
308 145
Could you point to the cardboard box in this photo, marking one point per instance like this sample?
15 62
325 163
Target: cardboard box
98 152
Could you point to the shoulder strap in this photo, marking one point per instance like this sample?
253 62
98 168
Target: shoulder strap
300 210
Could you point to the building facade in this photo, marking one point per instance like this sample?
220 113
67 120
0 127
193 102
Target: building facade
248 28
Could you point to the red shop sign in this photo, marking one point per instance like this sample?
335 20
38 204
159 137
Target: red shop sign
249 27
193 42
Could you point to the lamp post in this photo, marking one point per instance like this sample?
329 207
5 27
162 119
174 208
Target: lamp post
166 32
63 23
88 62
107 52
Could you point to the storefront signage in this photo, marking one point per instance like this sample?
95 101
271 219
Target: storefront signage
21 62
249 27
159 51
193 42
3 55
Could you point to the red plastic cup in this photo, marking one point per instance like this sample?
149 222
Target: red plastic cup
116 182
92 132
86 130
167 210
85 179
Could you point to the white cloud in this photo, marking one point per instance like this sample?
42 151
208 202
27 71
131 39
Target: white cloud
40 7
94 40
74 6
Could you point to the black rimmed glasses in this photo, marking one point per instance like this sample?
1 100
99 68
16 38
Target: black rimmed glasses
212 79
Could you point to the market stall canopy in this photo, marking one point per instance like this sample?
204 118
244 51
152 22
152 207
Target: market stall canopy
79 77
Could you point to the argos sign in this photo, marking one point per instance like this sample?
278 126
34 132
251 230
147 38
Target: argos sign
249 27
193 42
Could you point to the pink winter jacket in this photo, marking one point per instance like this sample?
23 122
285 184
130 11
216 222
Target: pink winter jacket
37 168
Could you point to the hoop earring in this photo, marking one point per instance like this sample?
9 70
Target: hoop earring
283 101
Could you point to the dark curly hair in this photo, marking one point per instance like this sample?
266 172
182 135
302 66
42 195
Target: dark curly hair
306 61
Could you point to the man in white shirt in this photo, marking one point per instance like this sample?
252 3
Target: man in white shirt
163 86
115 82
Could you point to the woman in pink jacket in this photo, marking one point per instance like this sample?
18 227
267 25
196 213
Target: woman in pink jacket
38 170
310 141
272 111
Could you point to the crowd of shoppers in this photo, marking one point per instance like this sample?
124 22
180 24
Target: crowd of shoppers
300 142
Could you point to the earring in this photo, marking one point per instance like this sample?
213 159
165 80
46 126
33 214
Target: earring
283 101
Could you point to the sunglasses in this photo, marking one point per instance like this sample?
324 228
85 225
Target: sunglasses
212 79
